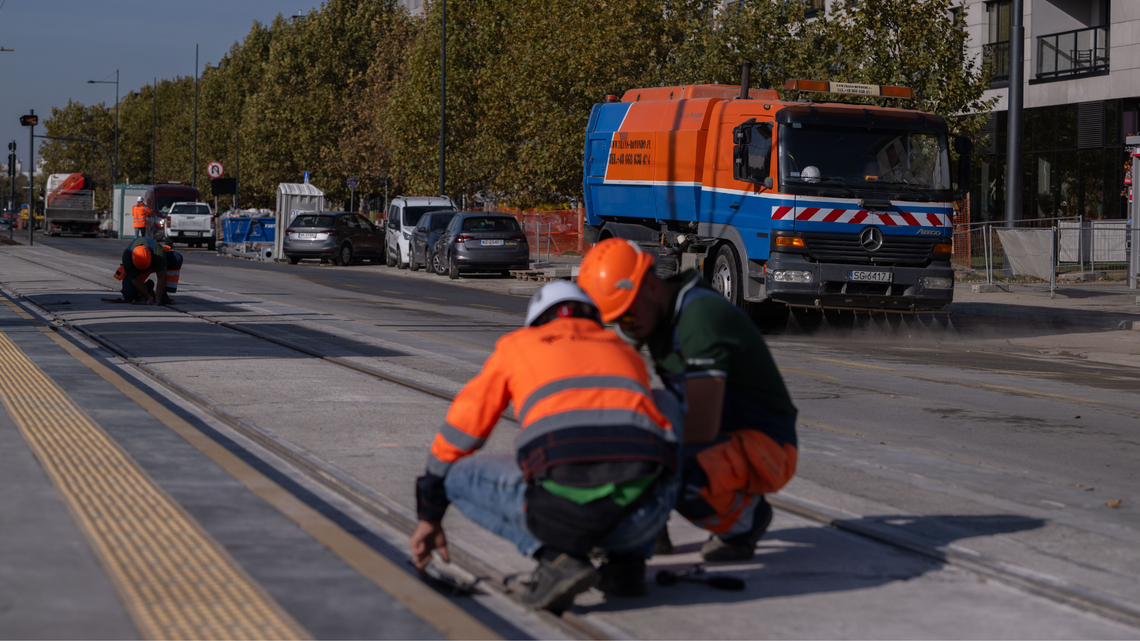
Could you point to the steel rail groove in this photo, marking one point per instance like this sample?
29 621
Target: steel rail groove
1025 579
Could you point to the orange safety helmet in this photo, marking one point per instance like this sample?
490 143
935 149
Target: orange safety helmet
611 274
141 256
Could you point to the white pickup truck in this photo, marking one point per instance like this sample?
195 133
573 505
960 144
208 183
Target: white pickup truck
193 224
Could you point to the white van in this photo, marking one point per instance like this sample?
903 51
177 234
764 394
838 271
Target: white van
403 214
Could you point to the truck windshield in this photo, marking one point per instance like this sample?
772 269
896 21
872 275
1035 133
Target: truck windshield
861 157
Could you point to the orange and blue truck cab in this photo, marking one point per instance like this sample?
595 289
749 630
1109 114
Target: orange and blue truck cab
810 204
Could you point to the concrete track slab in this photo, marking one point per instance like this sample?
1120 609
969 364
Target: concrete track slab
891 594
325 595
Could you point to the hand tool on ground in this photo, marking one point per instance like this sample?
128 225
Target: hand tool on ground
696 574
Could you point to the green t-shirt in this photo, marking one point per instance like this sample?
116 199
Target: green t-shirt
157 258
718 339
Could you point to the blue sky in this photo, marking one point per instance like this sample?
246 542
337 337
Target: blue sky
61 44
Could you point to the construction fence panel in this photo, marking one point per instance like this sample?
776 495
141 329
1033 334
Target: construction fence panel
552 232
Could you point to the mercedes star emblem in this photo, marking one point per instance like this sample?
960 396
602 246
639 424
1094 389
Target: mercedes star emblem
871 239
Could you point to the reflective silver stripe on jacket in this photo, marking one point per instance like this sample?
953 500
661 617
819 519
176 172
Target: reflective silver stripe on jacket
591 418
580 382
460 439
436 466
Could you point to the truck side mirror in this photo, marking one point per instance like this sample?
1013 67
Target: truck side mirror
965 148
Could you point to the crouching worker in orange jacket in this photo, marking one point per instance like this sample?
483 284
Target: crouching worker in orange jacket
740 425
142 258
594 464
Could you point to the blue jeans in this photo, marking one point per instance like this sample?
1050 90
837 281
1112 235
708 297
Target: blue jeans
140 232
490 490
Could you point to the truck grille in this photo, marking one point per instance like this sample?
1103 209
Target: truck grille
845 248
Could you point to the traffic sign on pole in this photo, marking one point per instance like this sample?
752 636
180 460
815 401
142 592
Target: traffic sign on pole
215 169
353 183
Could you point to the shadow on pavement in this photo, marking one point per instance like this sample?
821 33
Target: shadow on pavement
149 332
817 559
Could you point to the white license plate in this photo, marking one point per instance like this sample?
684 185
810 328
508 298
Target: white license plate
190 233
491 243
306 236
874 277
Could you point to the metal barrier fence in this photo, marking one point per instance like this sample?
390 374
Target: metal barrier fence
538 237
1045 247
550 232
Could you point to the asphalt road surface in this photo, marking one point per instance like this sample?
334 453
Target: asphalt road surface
984 434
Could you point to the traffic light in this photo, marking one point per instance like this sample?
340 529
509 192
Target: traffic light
12 146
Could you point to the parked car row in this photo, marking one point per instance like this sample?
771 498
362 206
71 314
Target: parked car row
420 232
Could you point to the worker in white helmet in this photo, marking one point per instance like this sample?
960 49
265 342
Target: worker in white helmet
595 464
141 213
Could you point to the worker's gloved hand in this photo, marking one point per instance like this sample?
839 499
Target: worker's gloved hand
428 536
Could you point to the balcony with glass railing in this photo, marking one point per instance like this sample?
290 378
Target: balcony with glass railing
1081 52
997 55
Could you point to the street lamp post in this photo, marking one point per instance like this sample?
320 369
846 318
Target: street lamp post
115 168
443 100
30 121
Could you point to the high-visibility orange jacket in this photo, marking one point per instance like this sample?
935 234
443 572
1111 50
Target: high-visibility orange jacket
140 212
580 393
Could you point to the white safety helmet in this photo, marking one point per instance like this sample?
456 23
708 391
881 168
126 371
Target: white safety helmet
139 200
551 294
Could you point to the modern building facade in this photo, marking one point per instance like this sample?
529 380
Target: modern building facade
1081 99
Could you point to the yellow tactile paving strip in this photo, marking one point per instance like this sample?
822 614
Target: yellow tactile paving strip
174 579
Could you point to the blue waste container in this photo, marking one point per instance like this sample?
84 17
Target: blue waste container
254 230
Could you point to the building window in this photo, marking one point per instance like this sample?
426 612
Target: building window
997 50
812 8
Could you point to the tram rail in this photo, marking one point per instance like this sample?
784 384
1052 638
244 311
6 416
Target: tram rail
1027 580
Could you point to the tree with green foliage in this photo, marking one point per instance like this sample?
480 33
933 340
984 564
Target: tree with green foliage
352 88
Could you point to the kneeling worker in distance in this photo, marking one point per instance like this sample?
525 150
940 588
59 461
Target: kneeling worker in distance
142 258
594 463
740 426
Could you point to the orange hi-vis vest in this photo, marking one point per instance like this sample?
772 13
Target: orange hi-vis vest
140 213
580 393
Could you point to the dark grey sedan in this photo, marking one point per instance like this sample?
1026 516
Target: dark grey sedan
483 242
425 238
337 236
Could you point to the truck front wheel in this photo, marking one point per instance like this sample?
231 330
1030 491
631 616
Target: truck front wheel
726 275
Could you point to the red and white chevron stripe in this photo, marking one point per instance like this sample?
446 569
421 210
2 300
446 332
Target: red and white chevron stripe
857 216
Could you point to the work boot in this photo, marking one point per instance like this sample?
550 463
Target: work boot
558 578
743 546
623 575
663 545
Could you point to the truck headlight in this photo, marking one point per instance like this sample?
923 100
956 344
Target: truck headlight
937 282
792 276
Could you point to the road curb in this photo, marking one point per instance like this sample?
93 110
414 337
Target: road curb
1082 318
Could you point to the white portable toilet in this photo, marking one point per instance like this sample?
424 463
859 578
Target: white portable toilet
293 198
122 201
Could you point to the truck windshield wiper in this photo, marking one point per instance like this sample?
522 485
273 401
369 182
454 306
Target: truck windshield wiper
832 180
922 192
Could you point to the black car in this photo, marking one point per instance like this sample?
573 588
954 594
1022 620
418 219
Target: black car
341 237
483 242
424 239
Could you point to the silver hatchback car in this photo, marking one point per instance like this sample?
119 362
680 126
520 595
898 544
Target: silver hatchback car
341 237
